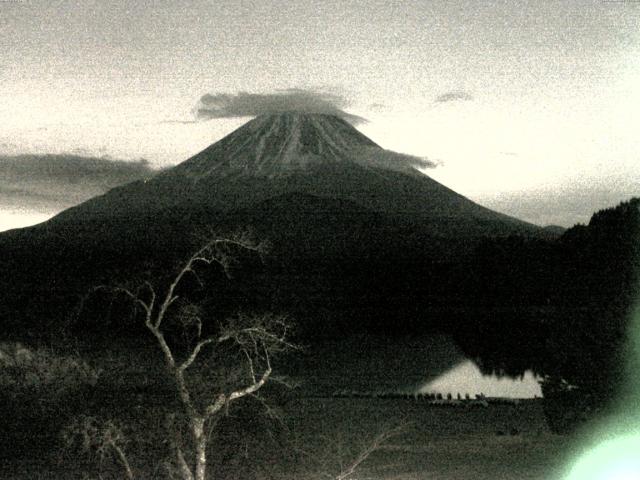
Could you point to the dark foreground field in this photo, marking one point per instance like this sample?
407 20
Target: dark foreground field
298 434
439 442
321 437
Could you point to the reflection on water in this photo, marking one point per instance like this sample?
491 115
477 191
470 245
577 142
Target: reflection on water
466 378
424 364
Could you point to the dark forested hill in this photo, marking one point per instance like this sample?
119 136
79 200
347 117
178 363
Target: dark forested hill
562 307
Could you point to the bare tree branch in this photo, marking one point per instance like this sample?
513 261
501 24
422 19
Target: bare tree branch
377 443
257 337
216 406
102 437
164 346
194 353
252 373
251 388
183 466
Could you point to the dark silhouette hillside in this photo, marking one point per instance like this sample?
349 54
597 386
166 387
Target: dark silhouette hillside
563 308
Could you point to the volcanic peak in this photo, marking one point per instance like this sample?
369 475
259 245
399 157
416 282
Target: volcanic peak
279 144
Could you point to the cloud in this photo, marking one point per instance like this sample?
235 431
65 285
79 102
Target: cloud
390 160
46 182
454 96
244 104
178 122
377 106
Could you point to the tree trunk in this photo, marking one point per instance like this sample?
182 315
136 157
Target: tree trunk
123 460
200 441
185 470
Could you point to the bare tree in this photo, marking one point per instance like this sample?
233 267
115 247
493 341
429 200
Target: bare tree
340 458
255 337
348 469
100 437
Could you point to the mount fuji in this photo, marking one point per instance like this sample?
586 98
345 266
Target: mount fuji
301 153
355 228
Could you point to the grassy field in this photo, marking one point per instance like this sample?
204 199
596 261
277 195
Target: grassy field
324 435
497 442
314 437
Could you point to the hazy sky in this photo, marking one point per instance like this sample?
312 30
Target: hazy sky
531 107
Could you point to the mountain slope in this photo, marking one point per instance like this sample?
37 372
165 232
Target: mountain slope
314 154
355 228
277 145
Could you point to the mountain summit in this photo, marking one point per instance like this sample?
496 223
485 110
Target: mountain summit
279 144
